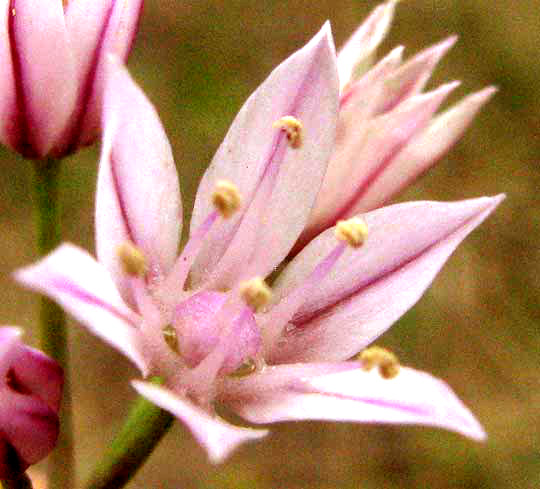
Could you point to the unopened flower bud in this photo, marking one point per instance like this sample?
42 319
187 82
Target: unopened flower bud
30 393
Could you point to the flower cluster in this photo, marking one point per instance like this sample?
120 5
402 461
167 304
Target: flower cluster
319 146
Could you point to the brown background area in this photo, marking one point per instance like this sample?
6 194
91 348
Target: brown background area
477 327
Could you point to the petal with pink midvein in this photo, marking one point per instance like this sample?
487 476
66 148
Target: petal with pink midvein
356 54
97 29
218 437
371 287
364 151
44 71
423 151
83 287
411 77
138 194
278 182
412 397
8 110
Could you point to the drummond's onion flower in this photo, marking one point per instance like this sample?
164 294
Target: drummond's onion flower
387 133
205 322
30 394
52 55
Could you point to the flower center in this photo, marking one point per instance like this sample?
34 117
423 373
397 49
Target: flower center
210 321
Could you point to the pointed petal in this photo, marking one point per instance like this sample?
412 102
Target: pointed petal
8 108
423 151
412 397
359 158
138 195
370 288
28 424
95 29
83 287
412 76
278 183
356 55
215 435
44 70
361 101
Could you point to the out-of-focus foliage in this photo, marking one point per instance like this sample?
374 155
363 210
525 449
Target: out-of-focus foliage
478 326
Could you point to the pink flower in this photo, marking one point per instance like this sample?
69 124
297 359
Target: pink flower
387 134
205 322
30 394
52 59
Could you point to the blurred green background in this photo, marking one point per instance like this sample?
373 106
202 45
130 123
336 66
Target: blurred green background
478 325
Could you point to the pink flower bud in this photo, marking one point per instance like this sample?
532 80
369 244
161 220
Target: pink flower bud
30 394
52 75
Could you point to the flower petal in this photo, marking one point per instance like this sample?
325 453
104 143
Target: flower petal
412 397
356 55
278 183
83 287
9 339
370 288
40 375
28 424
215 435
277 378
362 99
364 151
138 195
9 133
44 72
95 29
410 78
423 151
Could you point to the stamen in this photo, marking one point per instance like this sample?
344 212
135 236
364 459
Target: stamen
294 129
226 198
277 319
375 356
354 231
255 293
170 337
248 367
132 260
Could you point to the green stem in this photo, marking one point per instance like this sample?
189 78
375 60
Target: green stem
52 335
143 429
21 482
